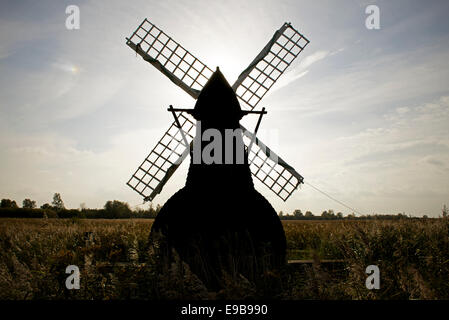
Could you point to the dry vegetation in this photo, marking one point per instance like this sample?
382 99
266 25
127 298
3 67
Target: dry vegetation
413 257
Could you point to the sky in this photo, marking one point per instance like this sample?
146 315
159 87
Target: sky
362 113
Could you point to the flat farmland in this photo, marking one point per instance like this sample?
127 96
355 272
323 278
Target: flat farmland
328 261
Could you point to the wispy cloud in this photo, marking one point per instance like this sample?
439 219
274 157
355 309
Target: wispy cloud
301 67
313 58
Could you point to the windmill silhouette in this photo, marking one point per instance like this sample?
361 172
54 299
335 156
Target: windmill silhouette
218 221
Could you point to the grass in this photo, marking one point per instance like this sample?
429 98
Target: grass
412 255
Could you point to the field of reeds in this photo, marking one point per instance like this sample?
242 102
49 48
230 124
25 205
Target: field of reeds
330 259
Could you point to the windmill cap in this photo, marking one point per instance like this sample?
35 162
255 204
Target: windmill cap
217 100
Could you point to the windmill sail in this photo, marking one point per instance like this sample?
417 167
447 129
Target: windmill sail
255 81
154 172
270 169
190 74
169 57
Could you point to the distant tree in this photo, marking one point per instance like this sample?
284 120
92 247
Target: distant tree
150 212
445 211
46 206
117 209
138 212
298 213
328 214
309 214
57 203
7 203
28 204
401 215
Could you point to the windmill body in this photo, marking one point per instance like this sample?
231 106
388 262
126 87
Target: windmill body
218 221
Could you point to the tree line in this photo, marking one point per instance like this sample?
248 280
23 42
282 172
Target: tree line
111 210
121 210
331 215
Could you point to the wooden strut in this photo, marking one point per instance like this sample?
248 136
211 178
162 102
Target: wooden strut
172 110
190 111
257 128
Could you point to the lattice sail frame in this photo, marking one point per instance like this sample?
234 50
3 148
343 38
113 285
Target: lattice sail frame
190 74
163 160
261 74
169 57
270 169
